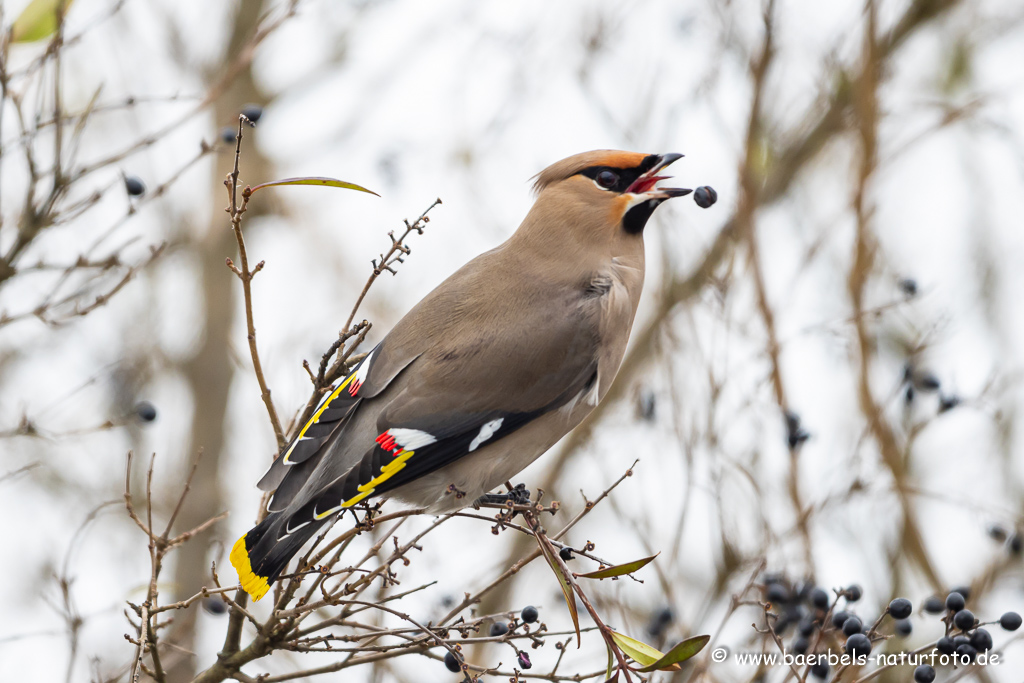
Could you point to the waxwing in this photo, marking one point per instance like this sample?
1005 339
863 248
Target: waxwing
484 374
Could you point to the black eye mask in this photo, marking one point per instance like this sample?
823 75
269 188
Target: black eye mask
627 176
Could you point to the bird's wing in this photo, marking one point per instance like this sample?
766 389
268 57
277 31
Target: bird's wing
332 417
469 376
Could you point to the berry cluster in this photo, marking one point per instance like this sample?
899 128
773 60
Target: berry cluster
820 624
971 639
915 380
453 659
817 623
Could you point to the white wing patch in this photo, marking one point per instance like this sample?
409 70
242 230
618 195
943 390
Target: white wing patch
411 439
361 373
486 432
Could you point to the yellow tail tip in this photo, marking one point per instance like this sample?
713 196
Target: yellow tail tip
253 584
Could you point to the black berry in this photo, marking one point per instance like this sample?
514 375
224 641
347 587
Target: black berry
820 670
981 640
227 135
806 627
134 186
1010 621
565 553
498 628
253 112
146 411
904 627
960 640
839 618
852 626
964 620
647 405
452 663
524 660
966 651
529 614
955 602
214 606
660 620
853 593
934 605
945 645
858 645
819 598
664 616
776 593
924 674
796 438
705 196
800 645
900 608
964 591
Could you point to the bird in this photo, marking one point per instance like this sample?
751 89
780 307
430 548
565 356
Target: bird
482 376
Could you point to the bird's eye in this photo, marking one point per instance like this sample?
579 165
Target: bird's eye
607 179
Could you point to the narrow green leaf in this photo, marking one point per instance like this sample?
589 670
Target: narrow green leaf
680 653
560 573
323 182
38 20
638 651
611 660
619 569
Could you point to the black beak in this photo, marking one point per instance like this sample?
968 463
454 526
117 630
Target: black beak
665 160
669 192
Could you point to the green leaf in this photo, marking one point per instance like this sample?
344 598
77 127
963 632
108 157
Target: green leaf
619 569
680 653
324 182
638 651
38 20
561 573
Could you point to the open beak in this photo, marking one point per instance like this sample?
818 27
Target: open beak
645 184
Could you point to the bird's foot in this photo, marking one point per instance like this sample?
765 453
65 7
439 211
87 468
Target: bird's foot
518 495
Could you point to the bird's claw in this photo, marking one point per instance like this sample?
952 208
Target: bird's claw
519 495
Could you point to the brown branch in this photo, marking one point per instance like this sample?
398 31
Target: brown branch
235 210
861 268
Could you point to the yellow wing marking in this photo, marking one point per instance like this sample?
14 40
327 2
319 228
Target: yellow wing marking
318 413
386 472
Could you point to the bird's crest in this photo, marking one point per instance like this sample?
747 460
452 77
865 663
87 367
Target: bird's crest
570 166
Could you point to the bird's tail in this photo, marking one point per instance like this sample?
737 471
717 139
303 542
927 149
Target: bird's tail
262 553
